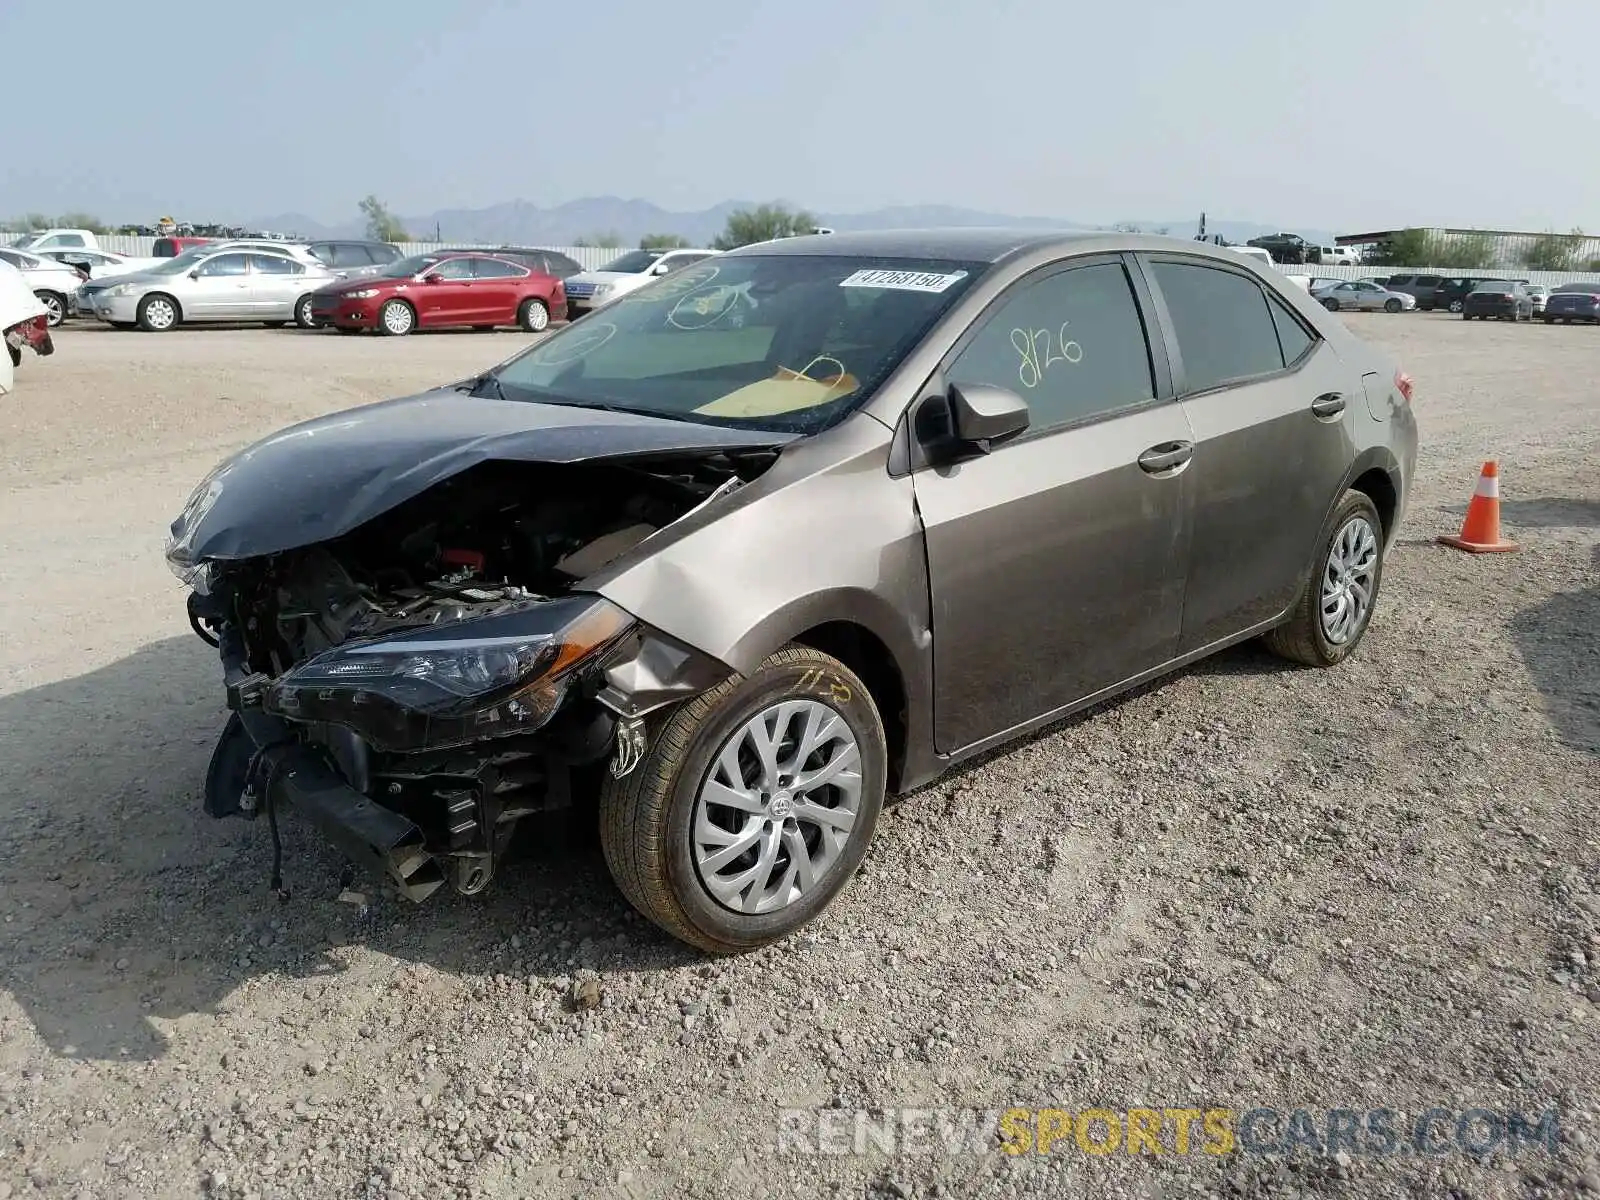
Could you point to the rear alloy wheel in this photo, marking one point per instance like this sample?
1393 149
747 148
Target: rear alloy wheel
55 307
1329 619
754 805
1391 306
302 313
1456 306
396 318
533 316
158 313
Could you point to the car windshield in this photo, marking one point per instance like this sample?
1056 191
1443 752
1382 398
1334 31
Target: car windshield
633 262
187 261
789 342
408 268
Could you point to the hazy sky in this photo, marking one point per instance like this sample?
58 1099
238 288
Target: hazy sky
1347 115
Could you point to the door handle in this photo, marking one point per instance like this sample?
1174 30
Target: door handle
1167 457
1329 404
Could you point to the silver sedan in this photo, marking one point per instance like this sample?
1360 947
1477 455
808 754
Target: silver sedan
1362 295
209 285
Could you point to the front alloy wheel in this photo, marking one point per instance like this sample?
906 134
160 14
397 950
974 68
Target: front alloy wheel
754 805
396 318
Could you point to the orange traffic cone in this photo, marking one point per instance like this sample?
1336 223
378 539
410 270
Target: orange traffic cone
1480 532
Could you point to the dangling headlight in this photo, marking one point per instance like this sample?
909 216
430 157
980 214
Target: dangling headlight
447 685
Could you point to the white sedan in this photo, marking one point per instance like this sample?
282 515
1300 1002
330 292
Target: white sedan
1362 295
55 284
101 263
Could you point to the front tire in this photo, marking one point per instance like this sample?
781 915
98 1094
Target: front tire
396 318
533 316
1333 611
1391 306
754 805
158 313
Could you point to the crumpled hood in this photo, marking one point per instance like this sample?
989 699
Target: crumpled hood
324 477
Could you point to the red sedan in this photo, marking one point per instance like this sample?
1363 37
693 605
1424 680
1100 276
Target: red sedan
440 291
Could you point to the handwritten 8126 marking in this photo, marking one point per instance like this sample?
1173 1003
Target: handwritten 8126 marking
1030 371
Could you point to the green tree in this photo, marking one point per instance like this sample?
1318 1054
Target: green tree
601 241
382 225
763 223
1463 253
82 220
662 241
34 220
1553 251
1407 248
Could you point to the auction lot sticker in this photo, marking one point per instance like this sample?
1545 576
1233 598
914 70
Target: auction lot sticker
902 281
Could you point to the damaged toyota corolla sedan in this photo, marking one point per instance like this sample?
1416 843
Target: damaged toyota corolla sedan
782 533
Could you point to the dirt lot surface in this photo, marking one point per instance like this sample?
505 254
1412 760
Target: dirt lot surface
1375 887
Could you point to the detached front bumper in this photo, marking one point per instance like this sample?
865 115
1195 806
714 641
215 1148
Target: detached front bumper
421 819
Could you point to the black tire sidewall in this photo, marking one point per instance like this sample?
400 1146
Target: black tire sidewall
303 306
1353 504
768 686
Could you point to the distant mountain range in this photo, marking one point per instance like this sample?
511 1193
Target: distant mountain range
520 223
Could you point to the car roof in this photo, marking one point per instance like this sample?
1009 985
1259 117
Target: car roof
984 245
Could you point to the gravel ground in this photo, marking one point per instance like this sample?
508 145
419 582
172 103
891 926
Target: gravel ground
1377 887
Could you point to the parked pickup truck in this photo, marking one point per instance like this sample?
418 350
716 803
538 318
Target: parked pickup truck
56 239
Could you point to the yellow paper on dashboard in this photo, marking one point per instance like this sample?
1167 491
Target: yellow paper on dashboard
787 391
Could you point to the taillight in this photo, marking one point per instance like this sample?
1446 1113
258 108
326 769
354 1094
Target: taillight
1403 383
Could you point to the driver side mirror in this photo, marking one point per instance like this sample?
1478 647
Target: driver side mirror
195 274
661 269
972 420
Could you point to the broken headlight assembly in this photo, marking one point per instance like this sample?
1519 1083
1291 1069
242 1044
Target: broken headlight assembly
450 685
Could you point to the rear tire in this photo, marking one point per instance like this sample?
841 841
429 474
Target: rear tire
651 820
396 318
1307 636
1331 305
302 313
533 316
1456 306
55 307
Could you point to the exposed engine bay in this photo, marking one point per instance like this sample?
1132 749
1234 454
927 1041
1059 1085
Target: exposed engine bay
436 660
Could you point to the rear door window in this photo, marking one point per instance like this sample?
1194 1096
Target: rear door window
1224 328
1429 281
491 268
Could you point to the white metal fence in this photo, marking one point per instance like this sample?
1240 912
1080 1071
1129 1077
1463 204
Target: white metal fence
1548 278
591 257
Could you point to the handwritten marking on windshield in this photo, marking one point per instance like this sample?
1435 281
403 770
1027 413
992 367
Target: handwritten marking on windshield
579 343
1039 353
